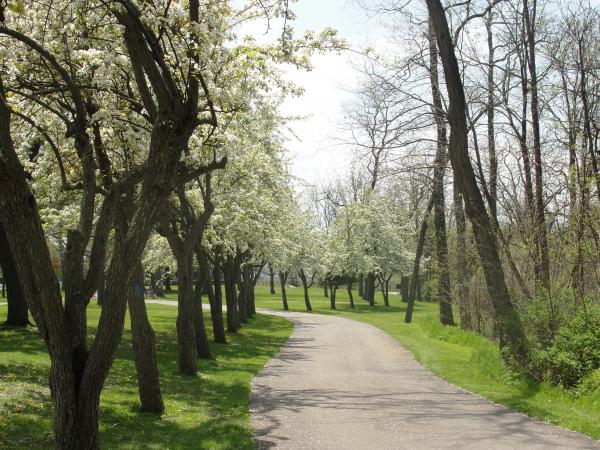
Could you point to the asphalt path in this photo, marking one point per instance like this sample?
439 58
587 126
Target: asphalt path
342 384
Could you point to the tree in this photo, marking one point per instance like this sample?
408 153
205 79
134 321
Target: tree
512 337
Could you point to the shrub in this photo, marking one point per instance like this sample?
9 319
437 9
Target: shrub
575 351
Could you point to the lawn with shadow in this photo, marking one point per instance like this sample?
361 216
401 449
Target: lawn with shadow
463 358
205 412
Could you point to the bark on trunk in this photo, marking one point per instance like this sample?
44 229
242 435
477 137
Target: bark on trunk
202 344
216 304
491 129
302 275
437 194
101 294
350 296
143 341
462 271
369 288
512 337
414 280
186 337
332 296
540 215
271 280
242 293
18 313
282 279
361 286
233 322
404 288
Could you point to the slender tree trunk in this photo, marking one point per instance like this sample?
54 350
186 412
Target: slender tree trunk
18 313
384 292
186 338
143 341
540 222
272 280
253 298
491 129
404 288
361 286
369 288
247 285
230 296
242 291
101 289
350 296
332 296
462 284
512 337
282 280
216 305
305 287
414 281
202 344
325 292
437 194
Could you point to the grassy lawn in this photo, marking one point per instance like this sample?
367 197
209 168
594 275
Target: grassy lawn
207 412
462 358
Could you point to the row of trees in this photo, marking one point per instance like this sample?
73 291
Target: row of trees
506 91
139 136
123 123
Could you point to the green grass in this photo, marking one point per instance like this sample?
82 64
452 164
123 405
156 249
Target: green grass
462 358
207 412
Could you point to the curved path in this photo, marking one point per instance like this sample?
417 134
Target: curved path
342 384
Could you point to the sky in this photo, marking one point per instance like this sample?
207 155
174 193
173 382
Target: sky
316 156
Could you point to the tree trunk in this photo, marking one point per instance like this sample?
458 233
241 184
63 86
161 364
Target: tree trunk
18 313
230 296
361 286
404 288
332 296
305 287
437 193
143 341
242 293
512 337
154 284
540 216
369 288
247 285
202 344
350 296
101 294
462 271
325 293
186 339
216 300
383 286
414 281
282 280
271 280
491 129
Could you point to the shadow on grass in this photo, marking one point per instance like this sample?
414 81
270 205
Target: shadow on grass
207 411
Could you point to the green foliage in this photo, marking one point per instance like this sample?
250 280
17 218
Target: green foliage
541 319
589 387
575 350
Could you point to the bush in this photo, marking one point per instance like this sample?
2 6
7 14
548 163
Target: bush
575 350
590 386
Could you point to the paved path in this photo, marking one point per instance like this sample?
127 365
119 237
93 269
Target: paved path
342 384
